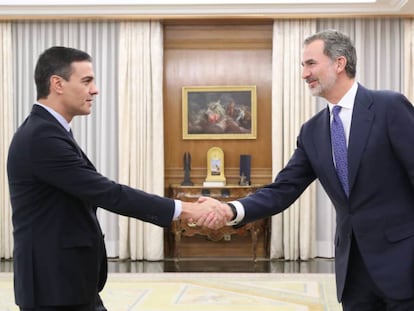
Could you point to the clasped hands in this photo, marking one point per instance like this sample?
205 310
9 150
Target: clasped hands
206 212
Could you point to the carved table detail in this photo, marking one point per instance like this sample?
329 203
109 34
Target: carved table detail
226 193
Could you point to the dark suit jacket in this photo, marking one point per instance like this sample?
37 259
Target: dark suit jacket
380 207
59 253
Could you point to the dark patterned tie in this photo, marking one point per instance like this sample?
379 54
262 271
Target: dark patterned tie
339 149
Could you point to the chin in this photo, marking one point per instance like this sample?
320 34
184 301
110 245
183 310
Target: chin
315 92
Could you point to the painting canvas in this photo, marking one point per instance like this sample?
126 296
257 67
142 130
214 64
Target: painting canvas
219 112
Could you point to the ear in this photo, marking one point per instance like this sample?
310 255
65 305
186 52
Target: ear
56 84
341 63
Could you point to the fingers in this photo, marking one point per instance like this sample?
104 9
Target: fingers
202 199
206 219
192 211
209 201
226 211
206 212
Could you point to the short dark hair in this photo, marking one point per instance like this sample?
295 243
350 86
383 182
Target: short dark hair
56 60
337 44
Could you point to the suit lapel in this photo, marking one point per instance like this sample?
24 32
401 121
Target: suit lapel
362 120
83 155
36 109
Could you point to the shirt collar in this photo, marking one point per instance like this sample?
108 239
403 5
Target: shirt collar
57 116
348 100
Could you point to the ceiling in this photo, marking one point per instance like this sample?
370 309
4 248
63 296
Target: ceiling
164 9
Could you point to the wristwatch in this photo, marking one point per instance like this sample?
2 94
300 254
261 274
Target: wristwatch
234 210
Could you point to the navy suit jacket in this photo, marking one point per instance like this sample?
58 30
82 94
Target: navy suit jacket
380 208
59 253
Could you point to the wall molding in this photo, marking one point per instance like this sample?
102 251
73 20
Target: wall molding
124 9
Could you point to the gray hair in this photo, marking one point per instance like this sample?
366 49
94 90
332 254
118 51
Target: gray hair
337 44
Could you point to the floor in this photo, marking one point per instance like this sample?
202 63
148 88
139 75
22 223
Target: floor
208 291
318 265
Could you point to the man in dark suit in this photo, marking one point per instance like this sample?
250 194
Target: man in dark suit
59 255
373 192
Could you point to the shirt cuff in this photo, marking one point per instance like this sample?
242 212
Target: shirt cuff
178 209
240 213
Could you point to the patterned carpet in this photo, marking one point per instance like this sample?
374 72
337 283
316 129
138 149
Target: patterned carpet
208 291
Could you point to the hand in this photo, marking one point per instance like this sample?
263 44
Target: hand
205 212
210 220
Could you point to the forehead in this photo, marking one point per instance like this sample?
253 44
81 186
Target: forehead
313 50
82 69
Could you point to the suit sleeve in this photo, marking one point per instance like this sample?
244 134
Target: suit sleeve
400 130
57 161
289 184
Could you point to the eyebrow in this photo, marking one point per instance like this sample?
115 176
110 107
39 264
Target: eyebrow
87 78
308 61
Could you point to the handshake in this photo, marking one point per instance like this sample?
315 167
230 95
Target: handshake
207 212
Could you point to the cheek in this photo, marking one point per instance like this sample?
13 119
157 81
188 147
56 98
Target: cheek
82 93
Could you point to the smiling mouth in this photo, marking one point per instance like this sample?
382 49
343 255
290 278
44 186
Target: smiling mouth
312 83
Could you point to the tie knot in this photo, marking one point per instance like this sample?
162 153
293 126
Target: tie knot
336 109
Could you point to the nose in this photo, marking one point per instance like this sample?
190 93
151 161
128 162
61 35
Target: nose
94 90
305 73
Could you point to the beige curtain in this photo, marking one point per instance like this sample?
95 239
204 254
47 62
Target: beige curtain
293 231
141 141
408 58
6 117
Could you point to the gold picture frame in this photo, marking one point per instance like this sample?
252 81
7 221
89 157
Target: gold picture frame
219 112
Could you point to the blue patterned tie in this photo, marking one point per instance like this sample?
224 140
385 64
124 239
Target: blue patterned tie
339 148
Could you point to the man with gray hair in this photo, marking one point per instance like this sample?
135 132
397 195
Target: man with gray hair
361 151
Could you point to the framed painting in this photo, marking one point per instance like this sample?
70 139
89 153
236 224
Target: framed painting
219 112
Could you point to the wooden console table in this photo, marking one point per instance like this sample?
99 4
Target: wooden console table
225 193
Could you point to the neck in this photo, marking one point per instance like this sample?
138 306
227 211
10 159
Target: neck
339 90
54 104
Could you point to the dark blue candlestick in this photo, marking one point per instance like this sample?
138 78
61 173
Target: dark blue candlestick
245 162
187 168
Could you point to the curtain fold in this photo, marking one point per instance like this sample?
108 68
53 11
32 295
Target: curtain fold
6 116
379 45
408 58
293 231
141 133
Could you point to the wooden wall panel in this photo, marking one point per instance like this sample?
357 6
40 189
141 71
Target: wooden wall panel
197 55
